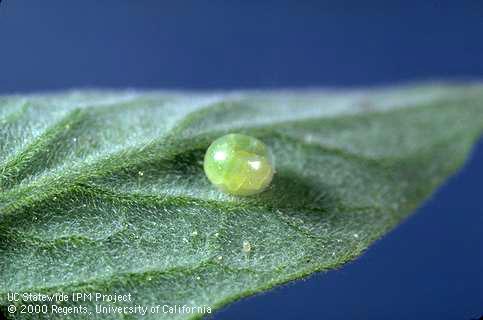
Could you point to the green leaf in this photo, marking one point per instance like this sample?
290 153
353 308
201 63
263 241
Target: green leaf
105 191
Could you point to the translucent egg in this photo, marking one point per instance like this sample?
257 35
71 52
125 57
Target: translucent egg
239 164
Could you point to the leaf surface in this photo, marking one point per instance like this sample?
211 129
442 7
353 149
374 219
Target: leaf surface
104 191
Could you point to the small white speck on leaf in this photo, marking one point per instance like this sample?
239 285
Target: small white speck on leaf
194 233
247 247
198 278
140 173
220 257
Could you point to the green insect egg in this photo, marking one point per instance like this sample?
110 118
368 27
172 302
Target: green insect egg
239 164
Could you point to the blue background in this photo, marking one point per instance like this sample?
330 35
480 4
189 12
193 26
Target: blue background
431 267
